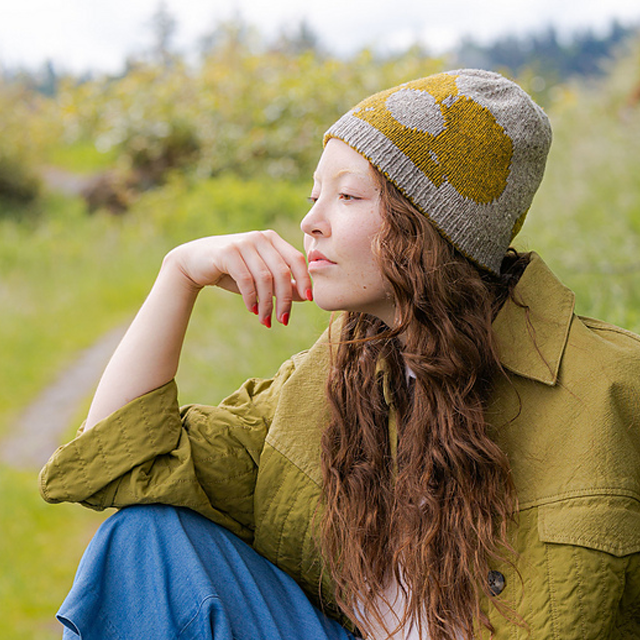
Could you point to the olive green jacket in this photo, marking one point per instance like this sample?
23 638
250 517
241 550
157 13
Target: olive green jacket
568 418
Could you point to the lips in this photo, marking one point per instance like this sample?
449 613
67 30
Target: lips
316 258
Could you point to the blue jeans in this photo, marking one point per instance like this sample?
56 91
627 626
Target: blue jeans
156 572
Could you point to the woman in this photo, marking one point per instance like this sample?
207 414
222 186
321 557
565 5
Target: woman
458 457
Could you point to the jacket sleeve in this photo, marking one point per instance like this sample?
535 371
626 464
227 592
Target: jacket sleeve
151 451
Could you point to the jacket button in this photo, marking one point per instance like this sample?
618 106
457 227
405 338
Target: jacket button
496 582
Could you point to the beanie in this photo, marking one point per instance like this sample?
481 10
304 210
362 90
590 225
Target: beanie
468 148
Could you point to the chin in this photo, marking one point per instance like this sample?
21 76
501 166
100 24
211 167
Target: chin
333 301
327 305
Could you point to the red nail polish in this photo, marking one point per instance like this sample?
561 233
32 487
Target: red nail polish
285 319
309 295
267 322
255 309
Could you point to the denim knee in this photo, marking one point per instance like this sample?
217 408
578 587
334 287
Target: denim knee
155 571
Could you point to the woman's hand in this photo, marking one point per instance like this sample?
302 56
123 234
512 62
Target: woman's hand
258 265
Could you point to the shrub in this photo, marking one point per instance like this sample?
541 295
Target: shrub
240 111
19 182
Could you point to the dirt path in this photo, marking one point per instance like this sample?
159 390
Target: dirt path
67 182
39 430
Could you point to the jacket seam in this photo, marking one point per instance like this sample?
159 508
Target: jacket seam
579 593
105 458
273 442
597 325
602 613
83 470
552 596
603 492
266 507
285 517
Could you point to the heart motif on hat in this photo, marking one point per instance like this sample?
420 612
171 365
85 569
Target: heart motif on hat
448 136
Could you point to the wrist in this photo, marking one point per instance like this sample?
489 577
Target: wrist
174 273
174 287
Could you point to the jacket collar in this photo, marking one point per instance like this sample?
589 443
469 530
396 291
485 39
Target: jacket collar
532 338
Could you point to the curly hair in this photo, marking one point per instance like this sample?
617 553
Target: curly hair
414 489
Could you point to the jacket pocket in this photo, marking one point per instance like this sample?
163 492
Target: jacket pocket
590 547
604 523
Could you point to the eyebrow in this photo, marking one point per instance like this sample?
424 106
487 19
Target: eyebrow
346 172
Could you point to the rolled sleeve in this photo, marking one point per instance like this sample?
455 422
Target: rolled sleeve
202 457
139 432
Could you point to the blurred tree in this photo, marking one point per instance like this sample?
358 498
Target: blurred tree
48 84
545 55
163 26
297 40
20 143
231 38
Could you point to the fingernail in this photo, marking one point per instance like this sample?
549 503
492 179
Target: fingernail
309 294
267 322
255 309
285 319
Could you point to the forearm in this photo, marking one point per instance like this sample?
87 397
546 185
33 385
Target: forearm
149 353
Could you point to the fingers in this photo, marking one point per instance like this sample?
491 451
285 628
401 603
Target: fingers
292 282
264 268
297 265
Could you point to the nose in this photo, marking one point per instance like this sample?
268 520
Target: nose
315 222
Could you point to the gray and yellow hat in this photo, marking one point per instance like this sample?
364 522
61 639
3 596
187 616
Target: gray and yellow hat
468 148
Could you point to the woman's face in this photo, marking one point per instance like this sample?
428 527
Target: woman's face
338 231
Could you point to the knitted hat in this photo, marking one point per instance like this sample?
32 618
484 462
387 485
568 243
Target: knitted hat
468 148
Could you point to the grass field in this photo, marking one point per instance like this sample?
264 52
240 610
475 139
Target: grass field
66 278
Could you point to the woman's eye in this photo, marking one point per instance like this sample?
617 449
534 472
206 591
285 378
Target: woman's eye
346 196
312 199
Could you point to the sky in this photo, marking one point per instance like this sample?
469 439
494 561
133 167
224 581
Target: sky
82 35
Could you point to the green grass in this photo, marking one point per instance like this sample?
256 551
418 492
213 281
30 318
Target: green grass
66 279
80 157
225 345
40 547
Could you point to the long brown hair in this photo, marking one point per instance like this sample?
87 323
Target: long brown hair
434 512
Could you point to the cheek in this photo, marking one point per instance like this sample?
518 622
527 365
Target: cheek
362 250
